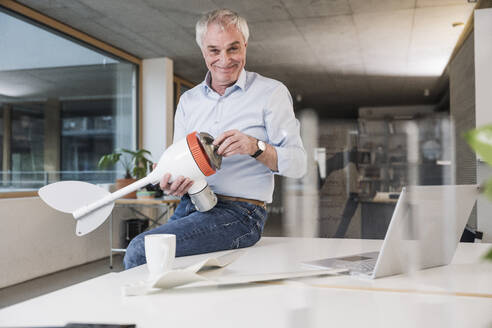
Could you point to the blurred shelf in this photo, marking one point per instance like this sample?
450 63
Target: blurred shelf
370 179
381 135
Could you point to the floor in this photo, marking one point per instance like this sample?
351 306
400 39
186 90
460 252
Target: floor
46 284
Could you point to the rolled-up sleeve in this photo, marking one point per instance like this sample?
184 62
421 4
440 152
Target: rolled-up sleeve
283 130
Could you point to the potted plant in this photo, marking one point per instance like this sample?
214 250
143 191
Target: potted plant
135 163
480 139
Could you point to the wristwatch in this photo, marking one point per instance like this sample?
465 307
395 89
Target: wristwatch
261 148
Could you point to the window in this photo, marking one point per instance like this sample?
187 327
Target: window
63 104
180 86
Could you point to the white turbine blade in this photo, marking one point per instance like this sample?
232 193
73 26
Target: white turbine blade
94 219
67 196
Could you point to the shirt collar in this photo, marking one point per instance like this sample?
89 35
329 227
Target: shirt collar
241 80
240 83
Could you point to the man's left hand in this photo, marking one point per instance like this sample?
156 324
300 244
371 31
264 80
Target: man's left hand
233 142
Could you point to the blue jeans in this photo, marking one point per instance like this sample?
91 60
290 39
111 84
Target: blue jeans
228 225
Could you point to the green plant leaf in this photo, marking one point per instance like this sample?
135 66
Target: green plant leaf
488 255
480 140
142 152
139 172
108 160
487 189
128 151
134 162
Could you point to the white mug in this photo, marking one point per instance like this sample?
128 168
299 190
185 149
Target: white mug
160 251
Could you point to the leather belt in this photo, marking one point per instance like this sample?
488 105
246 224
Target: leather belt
246 200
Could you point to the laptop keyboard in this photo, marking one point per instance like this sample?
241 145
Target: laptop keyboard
362 264
365 267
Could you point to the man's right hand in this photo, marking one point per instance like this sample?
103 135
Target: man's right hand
178 187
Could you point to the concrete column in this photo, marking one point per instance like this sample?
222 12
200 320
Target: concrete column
52 138
300 196
157 105
483 68
483 109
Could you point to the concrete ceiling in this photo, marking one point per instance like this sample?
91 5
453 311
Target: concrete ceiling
336 54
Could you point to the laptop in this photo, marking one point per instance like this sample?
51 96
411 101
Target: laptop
424 231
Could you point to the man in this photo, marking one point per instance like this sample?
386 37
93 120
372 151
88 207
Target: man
256 133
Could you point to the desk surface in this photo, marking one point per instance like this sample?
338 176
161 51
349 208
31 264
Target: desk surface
456 295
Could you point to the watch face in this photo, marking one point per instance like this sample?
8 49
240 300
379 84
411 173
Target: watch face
261 145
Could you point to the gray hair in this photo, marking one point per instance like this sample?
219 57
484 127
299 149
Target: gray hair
224 18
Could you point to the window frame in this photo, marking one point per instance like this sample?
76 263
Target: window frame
180 81
53 25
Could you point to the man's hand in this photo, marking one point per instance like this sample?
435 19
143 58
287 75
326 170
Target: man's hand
178 187
233 142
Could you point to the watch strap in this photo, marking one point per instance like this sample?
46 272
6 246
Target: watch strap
258 152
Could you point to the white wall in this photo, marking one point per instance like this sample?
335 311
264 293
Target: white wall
483 107
36 240
157 105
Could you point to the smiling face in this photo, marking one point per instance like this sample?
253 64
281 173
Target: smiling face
224 51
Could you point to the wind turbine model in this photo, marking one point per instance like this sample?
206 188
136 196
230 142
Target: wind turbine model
193 157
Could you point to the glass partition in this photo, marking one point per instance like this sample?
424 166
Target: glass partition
356 172
63 104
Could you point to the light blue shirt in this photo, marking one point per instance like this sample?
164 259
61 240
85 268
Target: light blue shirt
256 106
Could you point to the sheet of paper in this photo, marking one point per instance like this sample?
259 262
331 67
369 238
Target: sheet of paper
242 279
216 262
204 272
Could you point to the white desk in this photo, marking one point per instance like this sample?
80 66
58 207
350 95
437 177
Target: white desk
458 295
